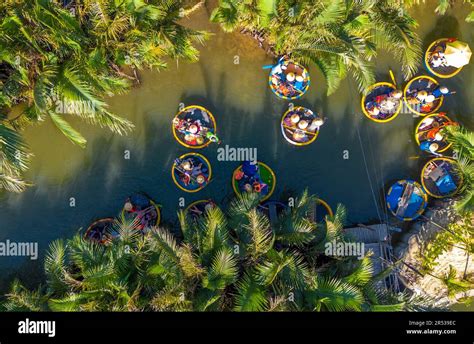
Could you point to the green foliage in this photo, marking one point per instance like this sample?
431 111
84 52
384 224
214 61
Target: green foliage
14 159
455 285
340 37
60 62
459 234
215 267
463 146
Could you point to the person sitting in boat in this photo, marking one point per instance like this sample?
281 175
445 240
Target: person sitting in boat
421 96
389 104
193 129
141 206
292 120
179 124
316 124
129 208
303 124
190 174
249 178
372 108
299 136
250 168
137 202
185 168
395 96
441 91
430 147
252 184
392 97
260 187
433 126
196 211
428 103
437 58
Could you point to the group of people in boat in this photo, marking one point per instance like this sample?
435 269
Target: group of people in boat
144 213
249 179
195 126
199 208
143 210
426 98
191 171
431 133
301 125
446 57
383 105
288 79
437 57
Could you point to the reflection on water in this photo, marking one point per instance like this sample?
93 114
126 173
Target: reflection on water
248 115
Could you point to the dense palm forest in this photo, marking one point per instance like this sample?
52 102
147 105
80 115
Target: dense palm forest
235 260
60 59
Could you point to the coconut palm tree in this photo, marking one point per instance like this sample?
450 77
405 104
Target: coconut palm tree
14 159
463 146
453 284
62 62
233 261
340 37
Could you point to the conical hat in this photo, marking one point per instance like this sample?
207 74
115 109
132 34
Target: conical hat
422 95
290 77
295 118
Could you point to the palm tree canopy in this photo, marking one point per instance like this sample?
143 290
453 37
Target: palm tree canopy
340 37
232 261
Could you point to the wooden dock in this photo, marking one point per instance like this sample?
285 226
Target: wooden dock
377 239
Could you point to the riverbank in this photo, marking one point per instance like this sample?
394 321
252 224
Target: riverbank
412 249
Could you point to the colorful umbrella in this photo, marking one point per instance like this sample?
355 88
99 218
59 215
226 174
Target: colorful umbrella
457 54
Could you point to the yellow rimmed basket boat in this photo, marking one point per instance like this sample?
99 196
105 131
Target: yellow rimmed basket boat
101 231
195 127
375 96
199 208
272 209
435 52
431 126
421 85
254 177
406 200
299 126
288 79
141 207
440 177
320 210
191 172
